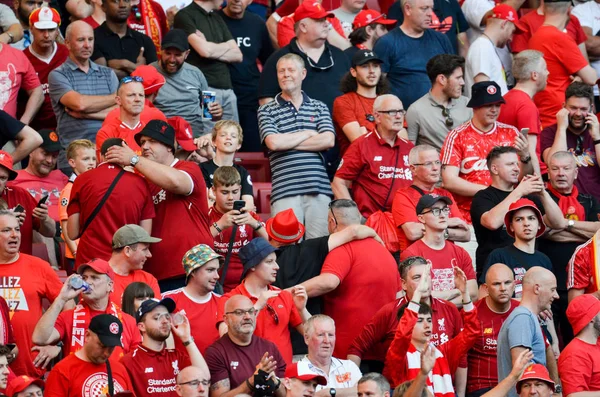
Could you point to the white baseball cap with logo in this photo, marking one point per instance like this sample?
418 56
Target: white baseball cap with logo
44 18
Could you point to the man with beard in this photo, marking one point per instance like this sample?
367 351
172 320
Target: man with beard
483 62
368 27
153 367
181 95
577 131
23 9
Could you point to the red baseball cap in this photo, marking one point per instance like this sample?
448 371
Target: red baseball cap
44 18
367 17
311 9
21 383
535 371
582 310
6 161
519 204
153 80
183 133
292 372
507 13
99 266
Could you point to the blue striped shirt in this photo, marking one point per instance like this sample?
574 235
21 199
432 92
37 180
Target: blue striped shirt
296 172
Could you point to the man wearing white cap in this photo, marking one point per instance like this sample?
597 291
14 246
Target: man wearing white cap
301 383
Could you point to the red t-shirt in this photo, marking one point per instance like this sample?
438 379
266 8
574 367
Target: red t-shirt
181 221
442 263
121 282
25 283
39 187
16 72
8 335
243 236
45 117
73 377
404 209
483 363
376 171
154 373
580 269
285 28
348 108
467 148
267 327
202 316
129 203
532 22
13 196
579 367
365 286
91 21
564 59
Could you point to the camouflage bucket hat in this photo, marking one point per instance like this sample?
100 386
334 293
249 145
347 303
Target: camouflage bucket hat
199 256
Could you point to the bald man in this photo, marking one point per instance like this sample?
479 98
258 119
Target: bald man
492 311
240 362
193 382
522 330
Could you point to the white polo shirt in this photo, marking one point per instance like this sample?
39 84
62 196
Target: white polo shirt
342 373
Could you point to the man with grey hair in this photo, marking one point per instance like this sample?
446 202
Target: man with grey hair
376 164
426 169
373 384
299 177
519 110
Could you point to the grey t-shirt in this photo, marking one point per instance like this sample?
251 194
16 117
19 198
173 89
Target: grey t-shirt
521 328
182 95
346 19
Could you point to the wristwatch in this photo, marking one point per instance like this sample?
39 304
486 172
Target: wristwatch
332 392
570 223
134 160
558 389
526 159
12 37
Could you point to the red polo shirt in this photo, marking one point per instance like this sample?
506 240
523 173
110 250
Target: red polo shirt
376 170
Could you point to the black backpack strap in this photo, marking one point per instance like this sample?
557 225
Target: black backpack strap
418 189
111 385
228 255
101 203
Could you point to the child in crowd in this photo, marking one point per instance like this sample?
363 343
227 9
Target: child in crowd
81 154
227 188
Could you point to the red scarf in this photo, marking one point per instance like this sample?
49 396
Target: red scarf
151 24
570 207
81 321
439 380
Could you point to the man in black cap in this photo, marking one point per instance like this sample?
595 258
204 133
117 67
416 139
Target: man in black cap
152 366
179 194
182 93
89 370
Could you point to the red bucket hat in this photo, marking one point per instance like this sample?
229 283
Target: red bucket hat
536 371
285 228
517 205
582 310
153 80
6 161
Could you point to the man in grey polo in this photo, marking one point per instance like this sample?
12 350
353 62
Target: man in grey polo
296 129
443 108
82 92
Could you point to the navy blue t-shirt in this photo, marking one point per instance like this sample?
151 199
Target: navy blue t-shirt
447 18
405 58
518 261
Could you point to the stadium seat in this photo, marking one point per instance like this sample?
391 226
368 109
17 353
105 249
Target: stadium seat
257 165
39 250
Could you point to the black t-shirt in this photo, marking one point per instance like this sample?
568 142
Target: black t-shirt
9 127
519 261
208 170
109 45
252 37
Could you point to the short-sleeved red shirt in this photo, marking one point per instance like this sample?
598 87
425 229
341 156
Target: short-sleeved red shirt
467 148
154 373
376 170
121 282
38 187
74 377
13 196
365 286
579 367
202 316
564 59
276 331
348 108
24 283
285 29
181 221
532 22
129 203
442 263
16 72
580 269
404 209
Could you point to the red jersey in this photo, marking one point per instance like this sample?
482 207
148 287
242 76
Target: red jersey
25 283
16 72
579 367
365 286
181 221
129 203
243 236
564 59
532 22
404 209
376 170
73 377
50 185
121 282
14 196
467 148
446 323
442 263
482 359
272 324
45 117
347 108
581 269
202 316
154 373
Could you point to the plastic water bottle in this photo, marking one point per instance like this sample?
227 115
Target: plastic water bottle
77 283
